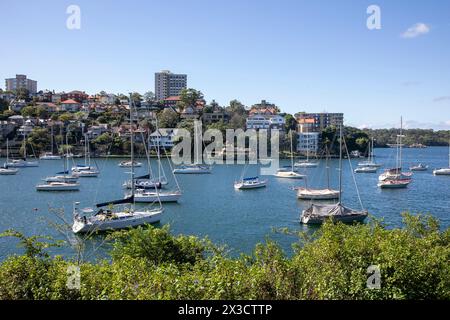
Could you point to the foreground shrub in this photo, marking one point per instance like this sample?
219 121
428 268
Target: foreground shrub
150 263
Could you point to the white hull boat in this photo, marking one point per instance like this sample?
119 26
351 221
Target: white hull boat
289 175
192 170
420 167
106 220
442 172
317 194
250 183
366 170
19 163
306 164
369 164
128 164
49 156
86 173
142 184
8 172
143 196
70 178
58 186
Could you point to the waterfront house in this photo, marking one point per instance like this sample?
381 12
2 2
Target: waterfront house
48 106
164 137
96 131
216 116
267 122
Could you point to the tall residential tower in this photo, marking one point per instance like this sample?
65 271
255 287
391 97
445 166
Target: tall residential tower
169 84
20 81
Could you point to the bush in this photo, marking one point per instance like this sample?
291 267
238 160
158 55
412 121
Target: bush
150 263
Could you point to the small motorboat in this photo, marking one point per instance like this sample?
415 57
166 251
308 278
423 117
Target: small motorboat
442 172
306 164
250 183
50 156
366 170
128 164
419 167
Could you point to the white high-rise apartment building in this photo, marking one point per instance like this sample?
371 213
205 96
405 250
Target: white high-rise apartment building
21 81
168 84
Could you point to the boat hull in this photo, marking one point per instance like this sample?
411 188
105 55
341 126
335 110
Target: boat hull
311 194
245 186
345 219
150 197
57 187
24 164
8 172
442 172
289 175
130 221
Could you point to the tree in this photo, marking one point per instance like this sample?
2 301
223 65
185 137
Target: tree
136 98
66 117
3 105
291 123
236 107
189 97
168 118
28 111
237 121
38 140
22 94
149 97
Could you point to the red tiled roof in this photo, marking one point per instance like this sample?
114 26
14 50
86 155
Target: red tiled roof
173 98
70 101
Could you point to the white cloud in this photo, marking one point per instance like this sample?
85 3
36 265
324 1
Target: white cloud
416 30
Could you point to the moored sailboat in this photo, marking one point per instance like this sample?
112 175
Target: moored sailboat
444 171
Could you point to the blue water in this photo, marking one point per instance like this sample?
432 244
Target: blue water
211 207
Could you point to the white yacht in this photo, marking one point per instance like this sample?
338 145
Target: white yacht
22 163
86 170
370 163
107 219
50 155
289 174
250 183
368 169
444 171
6 171
58 186
129 164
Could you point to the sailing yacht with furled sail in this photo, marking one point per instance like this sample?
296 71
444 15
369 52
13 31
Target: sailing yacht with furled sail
318 214
60 184
318 194
50 155
5 171
86 170
370 163
197 167
444 171
395 178
289 174
306 163
22 163
147 196
106 218
369 166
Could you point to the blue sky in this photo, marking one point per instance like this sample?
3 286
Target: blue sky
302 55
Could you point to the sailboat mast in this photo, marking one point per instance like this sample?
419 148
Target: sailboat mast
51 137
340 164
132 146
400 144
7 151
292 155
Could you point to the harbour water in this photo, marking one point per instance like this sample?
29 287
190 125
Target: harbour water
211 207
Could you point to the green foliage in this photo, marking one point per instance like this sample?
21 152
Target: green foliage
150 263
168 118
188 97
355 139
38 140
426 137
3 105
